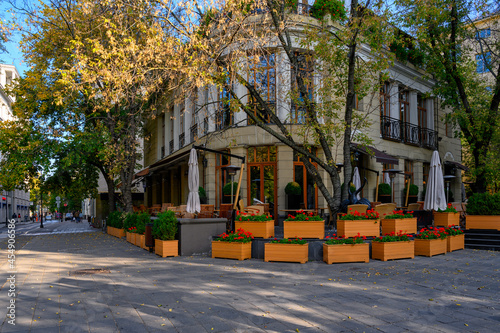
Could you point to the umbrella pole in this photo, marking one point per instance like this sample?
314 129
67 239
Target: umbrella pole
407 192
239 185
376 190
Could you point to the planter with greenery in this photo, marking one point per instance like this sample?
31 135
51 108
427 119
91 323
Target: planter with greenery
288 250
293 193
304 225
455 239
429 242
142 219
399 222
483 211
354 223
384 193
341 249
393 246
413 195
203 195
447 217
235 245
130 226
258 225
226 190
335 8
115 224
164 231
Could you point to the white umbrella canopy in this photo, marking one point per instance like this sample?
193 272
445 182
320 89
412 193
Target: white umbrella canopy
387 179
193 203
434 194
356 180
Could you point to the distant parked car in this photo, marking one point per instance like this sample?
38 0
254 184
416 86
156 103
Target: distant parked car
48 217
68 216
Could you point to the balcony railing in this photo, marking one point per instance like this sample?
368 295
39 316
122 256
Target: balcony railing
181 140
411 134
194 133
300 9
171 146
205 126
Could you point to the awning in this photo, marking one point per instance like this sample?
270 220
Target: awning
141 173
457 165
380 156
170 160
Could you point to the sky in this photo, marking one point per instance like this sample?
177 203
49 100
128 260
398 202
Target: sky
13 56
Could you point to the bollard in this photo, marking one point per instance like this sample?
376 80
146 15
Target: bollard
148 235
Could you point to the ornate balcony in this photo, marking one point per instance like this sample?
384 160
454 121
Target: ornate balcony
182 141
411 134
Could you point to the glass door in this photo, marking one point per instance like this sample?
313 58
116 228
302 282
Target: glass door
262 185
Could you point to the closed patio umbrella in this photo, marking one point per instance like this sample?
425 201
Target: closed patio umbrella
387 179
434 194
356 180
193 203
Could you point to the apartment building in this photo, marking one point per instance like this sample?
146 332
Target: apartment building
16 201
406 128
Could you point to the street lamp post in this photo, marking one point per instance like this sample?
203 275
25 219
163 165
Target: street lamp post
41 209
392 175
6 217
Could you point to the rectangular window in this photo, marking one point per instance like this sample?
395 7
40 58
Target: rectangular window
426 170
262 154
483 33
404 105
422 111
223 116
306 72
483 61
262 75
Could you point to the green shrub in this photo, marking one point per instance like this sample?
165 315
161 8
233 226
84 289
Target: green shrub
384 189
165 227
413 189
115 219
484 204
333 7
293 188
130 221
202 193
227 188
142 219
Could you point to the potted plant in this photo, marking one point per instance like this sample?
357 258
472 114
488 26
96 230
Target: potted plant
289 250
455 239
226 190
304 225
483 211
352 223
413 195
429 242
129 225
164 231
293 193
259 225
447 217
142 219
235 245
384 193
342 249
114 224
335 8
399 222
203 195
393 246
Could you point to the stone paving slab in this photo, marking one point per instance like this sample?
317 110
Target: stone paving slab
456 292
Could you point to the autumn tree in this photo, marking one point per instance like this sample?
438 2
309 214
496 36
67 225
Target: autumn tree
465 63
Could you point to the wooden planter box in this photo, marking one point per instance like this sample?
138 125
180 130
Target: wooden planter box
393 250
346 253
455 243
446 219
115 232
430 247
286 252
229 250
131 237
351 228
304 229
168 248
140 240
407 226
262 229
491 222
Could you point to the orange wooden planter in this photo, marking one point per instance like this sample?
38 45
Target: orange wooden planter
430 247
231 250
168 248
491 222
456 242
337 253
351 228
262 229
407 226
140 241
446 219
129 237
119 233
304 229
286 252
393 250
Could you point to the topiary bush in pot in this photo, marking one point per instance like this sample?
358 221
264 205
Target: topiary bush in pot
484 204
165 227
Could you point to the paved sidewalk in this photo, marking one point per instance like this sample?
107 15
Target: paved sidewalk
456 292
